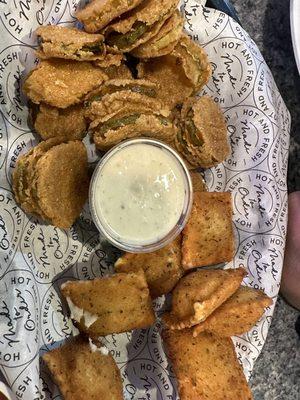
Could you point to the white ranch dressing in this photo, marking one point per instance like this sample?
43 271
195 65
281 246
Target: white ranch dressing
139 193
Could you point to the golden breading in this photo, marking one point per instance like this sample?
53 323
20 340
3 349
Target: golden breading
237 315
198 182
69 43
128 125
206 367
68 123
162 268
174 86
84 374
114 304
208 236
199 293
60 199
118 72
98 13
194 61
110 60
139 25
164 41
56 82
204 133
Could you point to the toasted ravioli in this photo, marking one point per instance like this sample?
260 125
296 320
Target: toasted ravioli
162 268
237 315
69 43
173 86
139 25
204 135
164 41
199 293
84 374
114 304
208 236
56 82
98 13
206 367
63 198
68 123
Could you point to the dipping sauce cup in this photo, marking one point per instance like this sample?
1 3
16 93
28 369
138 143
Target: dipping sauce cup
141 195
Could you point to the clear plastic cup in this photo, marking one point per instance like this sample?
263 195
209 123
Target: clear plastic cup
108 231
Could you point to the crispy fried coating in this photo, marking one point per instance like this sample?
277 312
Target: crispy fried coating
199 293
237 315
62 83
51 181
174 86
194 61
63 198
69 43
206 367
110 60
198 182
114 304
139 25
84 374
98 13
164 41
203 136
162 267
68 123
208 236
118 72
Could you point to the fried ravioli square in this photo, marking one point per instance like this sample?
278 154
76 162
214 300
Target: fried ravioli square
84 374
199 294
208 236
113 304
206 367
162 267
237 315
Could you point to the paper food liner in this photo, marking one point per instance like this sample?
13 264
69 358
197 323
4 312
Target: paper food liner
35 258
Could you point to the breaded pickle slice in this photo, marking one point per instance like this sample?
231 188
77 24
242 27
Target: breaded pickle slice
84 371
62 83
164 41
69 43
68 123
139 25
141 86
132 125
194 61
204 132
98 13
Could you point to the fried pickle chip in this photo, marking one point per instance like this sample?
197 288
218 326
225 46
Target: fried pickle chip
204 133
174 86
206 367
111 86
98 13
132 124
68 123
194 61
237 315
208 236
69 43
118 72
198 294
139 25
37 187
110 60
62 83
114 304
164 41
162 268
198 182
84 372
